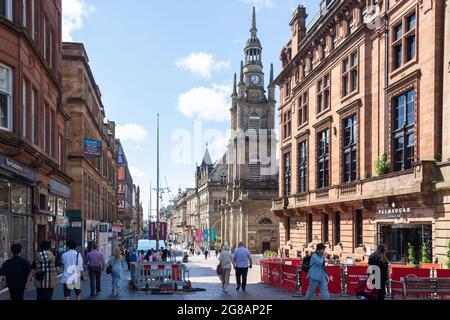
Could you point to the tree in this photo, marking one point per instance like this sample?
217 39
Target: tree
425 258
411 255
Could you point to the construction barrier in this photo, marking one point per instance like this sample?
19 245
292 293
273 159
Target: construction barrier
398 274
290 280
354 275
154 274
334 283
275 274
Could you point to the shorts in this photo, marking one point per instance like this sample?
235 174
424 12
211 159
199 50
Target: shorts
67 291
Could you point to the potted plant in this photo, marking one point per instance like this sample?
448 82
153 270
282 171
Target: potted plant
425 257
411 255
382 165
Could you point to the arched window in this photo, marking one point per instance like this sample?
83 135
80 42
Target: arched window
255 169
254 122
265 221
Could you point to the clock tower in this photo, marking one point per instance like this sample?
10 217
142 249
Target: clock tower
251 155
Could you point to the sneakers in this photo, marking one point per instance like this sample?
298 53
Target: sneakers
226 290
237 288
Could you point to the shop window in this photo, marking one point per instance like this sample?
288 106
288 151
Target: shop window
4 195
43 205
337 228
309 233
287 173
358 228
403 130
325 228
19 199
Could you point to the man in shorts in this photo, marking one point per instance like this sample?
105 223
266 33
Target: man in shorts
73 271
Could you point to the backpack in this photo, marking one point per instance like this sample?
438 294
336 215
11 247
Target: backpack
363 292
306 262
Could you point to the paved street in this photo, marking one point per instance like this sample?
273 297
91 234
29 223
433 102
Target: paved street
202 275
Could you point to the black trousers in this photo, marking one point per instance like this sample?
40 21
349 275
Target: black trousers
44 294
382 292
241 273
129 264
95 274
16 293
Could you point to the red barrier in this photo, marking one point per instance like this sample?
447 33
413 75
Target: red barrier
398 274
334 285
354 275
289 276
265 272
443 273
275 274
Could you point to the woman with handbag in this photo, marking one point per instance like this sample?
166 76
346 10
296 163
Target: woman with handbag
115 268
224 267
379 259
45 272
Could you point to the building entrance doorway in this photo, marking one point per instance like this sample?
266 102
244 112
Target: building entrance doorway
265 246
397 236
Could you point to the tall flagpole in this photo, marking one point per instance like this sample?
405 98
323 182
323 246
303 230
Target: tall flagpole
157 185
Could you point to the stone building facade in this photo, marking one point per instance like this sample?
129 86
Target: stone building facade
252 174
34 184
362 81
93 195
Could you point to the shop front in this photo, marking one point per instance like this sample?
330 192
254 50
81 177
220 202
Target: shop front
91 234
58 220
17 183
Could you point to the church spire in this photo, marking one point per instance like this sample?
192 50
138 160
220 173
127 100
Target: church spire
271 74
234 86
254 30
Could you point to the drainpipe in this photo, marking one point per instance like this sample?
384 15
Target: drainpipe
386 74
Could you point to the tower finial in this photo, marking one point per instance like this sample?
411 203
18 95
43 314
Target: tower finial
235 84
242 72
271 73
253 29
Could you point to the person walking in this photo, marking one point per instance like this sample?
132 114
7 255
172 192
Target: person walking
226 261
96 263
128 258
378 258
117 267
242 262
317 274
133 257
73 271
45 272
164 254
16 271
206 253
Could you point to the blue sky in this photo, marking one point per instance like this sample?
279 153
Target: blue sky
175 58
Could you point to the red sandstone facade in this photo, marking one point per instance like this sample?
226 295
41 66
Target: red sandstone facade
33 181
363 80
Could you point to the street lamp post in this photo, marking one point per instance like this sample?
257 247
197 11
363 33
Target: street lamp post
157 185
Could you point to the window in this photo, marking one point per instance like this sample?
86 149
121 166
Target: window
5 98
288 228
309 232
404 41
403 130
302 167
362 12
350 74
325 228
43 204
33 119
4 195
265 221
223 179
255 170
349 152
24 13
24 107
323 94
287 173
288 87
323 159
254 122
303 109
358 228
350 25
6 9
337 228
287 125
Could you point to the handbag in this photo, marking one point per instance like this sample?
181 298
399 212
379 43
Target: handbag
109 269
219 269
363 292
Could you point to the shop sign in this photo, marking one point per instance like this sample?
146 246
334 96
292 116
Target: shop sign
103 228
59 189
62 222
92 148
17 168
76 224
394 212
13 164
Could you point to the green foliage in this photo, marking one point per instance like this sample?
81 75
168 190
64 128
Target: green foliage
425 258
448 256
411 255
270 254
382 165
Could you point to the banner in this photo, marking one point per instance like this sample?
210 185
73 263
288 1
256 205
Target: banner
152 231
334 285
275 274
92 148
355 274
398 274
289 277
212 235
197 235
205 235
162 230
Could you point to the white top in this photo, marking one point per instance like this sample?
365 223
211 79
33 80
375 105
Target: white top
225 259
69 259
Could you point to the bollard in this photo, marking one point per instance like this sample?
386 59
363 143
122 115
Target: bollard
298 292
344 292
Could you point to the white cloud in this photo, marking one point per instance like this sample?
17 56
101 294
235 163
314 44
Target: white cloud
137 173
131 132
202 64
73 13
206 103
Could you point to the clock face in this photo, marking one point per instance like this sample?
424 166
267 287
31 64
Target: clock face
255 79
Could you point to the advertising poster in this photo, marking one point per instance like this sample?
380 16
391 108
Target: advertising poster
92 148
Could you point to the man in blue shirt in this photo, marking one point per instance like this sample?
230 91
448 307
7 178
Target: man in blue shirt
242 260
